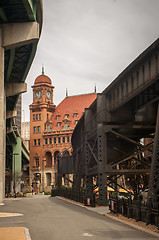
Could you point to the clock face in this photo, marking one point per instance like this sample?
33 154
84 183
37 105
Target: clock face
48 94
38 94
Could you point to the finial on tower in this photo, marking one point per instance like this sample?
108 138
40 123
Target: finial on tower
66 92
42 69
95 89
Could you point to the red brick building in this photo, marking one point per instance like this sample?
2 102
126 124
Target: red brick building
51 129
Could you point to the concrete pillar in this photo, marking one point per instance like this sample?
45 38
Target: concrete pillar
2 123
17 163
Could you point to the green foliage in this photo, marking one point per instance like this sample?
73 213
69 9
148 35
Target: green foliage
47 193
27 192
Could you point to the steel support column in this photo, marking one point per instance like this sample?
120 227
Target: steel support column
89 179
102 159
154 178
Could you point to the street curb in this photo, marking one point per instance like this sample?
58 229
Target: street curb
27 234
133 225
114 218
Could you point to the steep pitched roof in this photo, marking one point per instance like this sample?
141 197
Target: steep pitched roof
70 110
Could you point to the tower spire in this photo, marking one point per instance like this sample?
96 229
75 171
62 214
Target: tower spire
95 88
42 69
66 92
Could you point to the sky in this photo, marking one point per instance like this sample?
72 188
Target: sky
90 42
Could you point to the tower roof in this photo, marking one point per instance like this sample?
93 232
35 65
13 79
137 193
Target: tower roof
42 79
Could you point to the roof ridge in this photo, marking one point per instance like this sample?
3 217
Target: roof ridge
82 94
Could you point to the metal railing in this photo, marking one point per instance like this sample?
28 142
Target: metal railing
72 194
137 209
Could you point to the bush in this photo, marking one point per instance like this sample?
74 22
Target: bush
47 193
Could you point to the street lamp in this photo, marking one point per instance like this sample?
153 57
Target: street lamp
14 154
43 174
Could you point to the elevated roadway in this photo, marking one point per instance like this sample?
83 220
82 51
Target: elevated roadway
20 29
108 145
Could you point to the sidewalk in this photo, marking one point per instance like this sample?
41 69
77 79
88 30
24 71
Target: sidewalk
13 233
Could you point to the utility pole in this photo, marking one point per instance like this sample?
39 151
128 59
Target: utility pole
43 174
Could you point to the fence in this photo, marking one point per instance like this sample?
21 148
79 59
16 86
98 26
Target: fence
136 209
78 196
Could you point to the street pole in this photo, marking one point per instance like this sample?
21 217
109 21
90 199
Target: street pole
43 173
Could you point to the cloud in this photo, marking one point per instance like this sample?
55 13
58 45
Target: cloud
90 41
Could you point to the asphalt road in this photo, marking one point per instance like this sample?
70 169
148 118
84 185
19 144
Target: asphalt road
55 219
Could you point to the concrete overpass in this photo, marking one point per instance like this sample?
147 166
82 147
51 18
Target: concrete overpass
107 141
20 29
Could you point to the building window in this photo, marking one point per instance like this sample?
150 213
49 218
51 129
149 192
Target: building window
68 139
36 116
40 116
75 115
34 142
45 140
50 140
57 117
66 115
38 128
58 124
38 142
54 140
66 126
34 129
48 128
59 140
33 117
76 121
37 162
63 139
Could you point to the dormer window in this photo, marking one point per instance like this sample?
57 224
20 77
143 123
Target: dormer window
66 115
57 117
59 124
76 121
75 115
66 126
48 128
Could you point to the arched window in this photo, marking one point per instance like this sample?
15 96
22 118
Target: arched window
56 154
48 159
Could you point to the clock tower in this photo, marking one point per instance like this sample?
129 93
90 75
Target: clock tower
41 111
42 106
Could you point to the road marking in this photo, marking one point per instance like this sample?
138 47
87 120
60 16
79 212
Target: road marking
87 235
4 214
27 234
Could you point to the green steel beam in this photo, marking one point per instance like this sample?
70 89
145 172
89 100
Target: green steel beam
2 15
34 47
25 153
10 64
30 7
12 138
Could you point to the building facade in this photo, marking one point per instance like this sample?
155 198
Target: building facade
51 129
25 134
